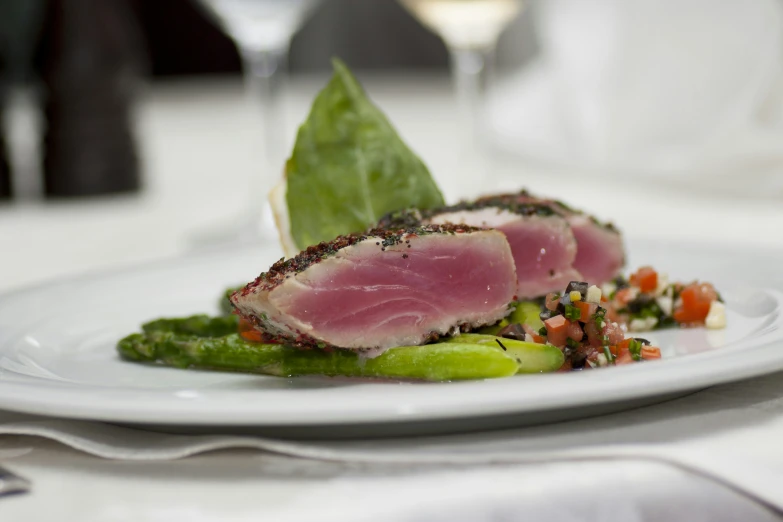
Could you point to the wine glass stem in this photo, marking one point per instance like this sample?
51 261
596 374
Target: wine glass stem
266 74
469 74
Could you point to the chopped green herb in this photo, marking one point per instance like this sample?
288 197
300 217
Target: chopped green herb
599 317
635 348
571 343
542 331
573 313
608 354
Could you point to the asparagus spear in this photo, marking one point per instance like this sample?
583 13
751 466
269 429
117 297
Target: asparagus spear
433 362
228 352
531 357
198 325
526 312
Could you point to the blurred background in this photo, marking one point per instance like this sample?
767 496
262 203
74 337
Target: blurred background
143 128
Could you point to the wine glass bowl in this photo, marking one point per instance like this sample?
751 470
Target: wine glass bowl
466 24
260 25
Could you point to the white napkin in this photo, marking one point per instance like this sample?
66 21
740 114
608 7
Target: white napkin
682 90
730 433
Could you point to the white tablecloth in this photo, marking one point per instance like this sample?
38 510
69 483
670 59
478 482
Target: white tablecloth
197 141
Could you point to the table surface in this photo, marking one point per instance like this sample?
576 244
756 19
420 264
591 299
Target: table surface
201 167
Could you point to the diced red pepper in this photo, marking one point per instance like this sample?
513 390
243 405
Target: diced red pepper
646 278
651 352
248 332
587 310
556 330
696 300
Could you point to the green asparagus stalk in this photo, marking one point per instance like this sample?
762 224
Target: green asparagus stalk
433 362
228 352
198 325
530 357
527 312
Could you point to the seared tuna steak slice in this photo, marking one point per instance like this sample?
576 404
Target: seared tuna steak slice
600 254
383 289
543 246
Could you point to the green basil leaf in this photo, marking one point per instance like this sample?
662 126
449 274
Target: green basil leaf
349 167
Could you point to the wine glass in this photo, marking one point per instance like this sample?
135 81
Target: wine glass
470 29
262 31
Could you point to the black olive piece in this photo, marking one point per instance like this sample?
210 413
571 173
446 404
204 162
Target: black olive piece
547 314
513 331
579 286
620 282
578 361
643 341
641 302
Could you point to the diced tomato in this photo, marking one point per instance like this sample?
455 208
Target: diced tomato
651 352
551 301
587 309
618 350
615 333
556 330
566 367
249 333
646 278
592 356
696 300
575 332
533 333
613 316
624 296
593 333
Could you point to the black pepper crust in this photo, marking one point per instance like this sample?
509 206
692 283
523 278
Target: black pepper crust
556 206
522 203
509 202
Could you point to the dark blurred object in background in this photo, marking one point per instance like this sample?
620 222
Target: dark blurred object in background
5 170
367 34
89 58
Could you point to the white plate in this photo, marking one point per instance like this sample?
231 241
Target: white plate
57 356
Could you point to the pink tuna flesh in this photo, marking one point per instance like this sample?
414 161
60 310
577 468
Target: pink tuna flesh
367 296
544 247
600 255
